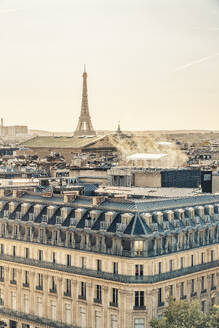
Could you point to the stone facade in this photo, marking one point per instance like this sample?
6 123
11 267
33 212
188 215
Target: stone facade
99 262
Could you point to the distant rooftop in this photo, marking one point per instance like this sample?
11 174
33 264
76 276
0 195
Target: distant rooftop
61 142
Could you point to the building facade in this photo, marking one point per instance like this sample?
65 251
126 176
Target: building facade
93 262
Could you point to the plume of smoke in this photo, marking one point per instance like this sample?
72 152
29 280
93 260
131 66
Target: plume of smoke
148 144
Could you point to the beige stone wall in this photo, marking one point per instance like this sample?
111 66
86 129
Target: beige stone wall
147 180
28 297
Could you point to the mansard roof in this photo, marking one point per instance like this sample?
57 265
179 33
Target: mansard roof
132 212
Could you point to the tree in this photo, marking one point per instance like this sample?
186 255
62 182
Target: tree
182 314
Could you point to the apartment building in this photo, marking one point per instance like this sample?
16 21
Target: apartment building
93 262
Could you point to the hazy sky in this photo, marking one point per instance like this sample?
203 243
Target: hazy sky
152 64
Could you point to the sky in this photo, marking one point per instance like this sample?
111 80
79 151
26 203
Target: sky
151 64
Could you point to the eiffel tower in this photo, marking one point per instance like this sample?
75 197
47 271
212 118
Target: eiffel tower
84 127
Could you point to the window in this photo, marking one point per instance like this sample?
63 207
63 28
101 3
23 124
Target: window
203 306
26 279
98 265
98 293
139 299
139 247
139 323
202 284
53 285
83 262
53 310
202 258
115 267
13 275
98 320
192 286
2 249
159 268
212 281
171 265
115 296
83 318
39 306
171 291
53 257
1 273
67 314
182 290
67 287
14 251
13 301
68 260
212 256
27 253
181 262
160 303
39 281
114 321
40 255
83 290
26 303
139 272
192 260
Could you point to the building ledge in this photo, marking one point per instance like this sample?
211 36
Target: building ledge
30 318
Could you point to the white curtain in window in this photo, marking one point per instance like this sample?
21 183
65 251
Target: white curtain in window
139 323
82 317
68 313
13 301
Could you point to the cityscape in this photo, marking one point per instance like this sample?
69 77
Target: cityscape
109 225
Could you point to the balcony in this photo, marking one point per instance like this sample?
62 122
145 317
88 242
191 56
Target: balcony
39 287
113 304
213 287
97 300
183 297
53 290
26 285
193 294
160 304
13 282
139 308
82 297
67 293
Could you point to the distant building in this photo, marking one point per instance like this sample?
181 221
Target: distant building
13 131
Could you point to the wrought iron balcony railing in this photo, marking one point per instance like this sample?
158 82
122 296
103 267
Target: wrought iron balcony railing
108 275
